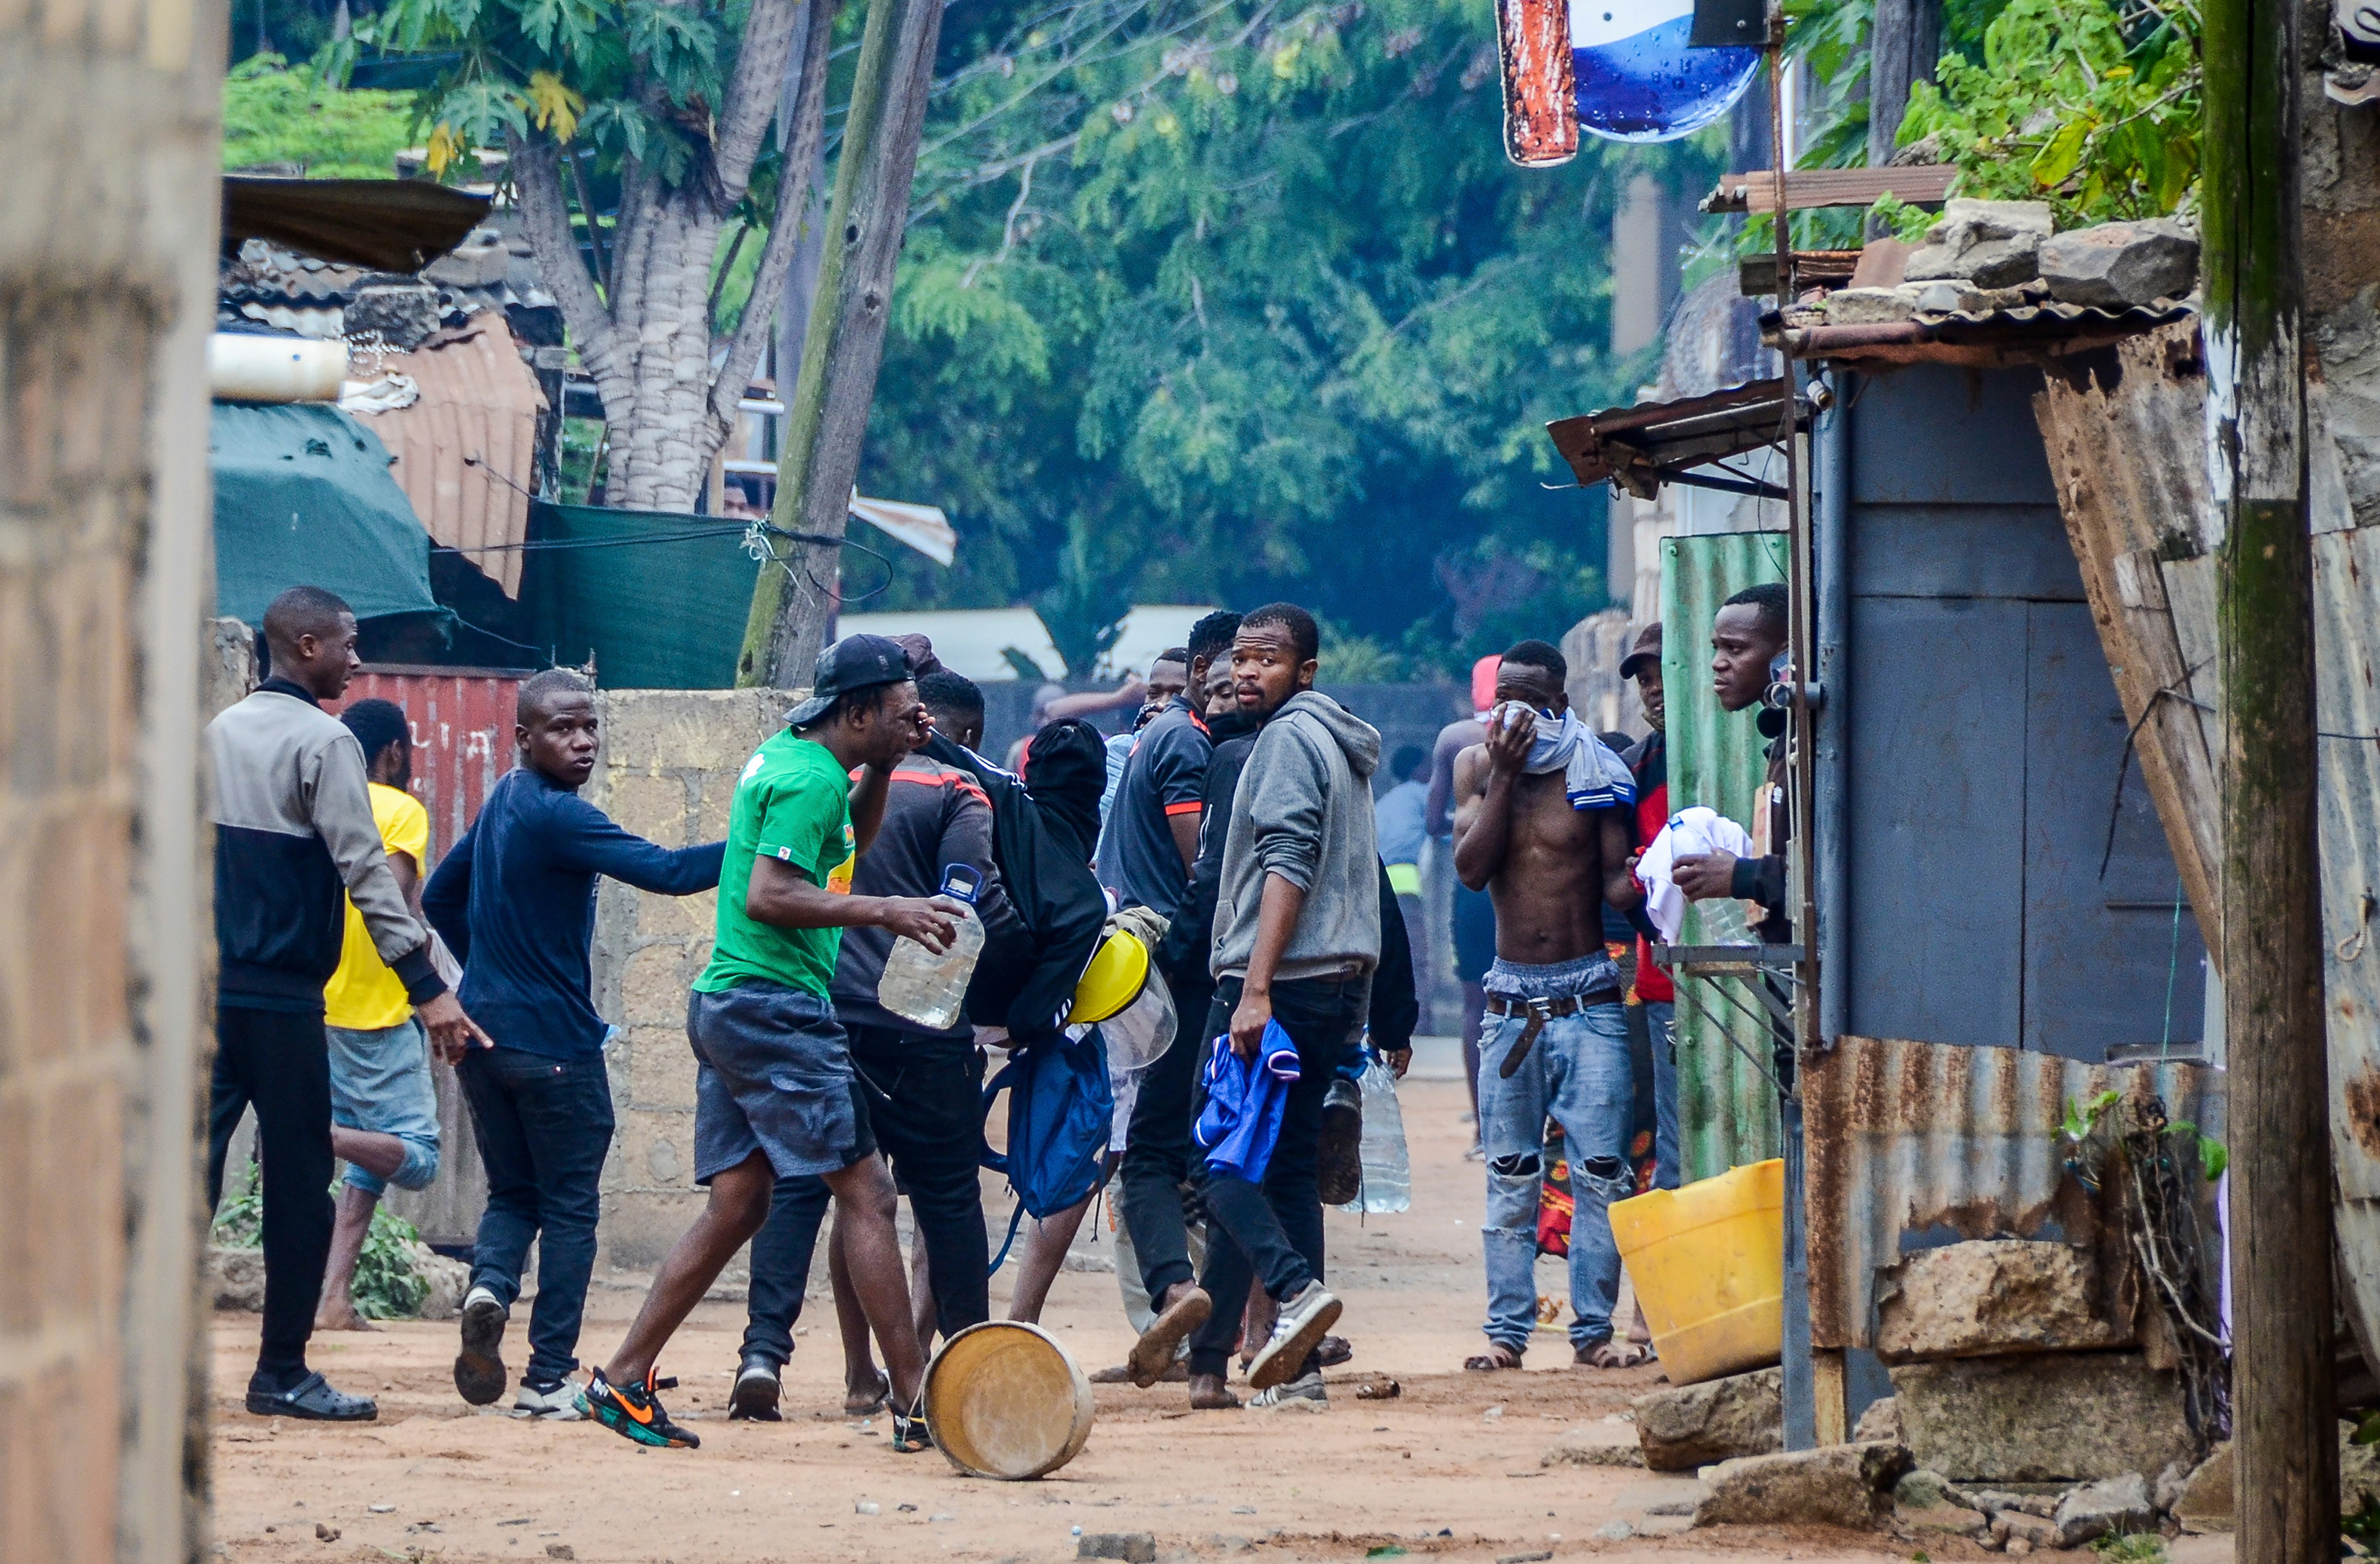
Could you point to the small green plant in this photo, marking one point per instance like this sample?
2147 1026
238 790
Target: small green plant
2130 1547
388 1284
2363 1528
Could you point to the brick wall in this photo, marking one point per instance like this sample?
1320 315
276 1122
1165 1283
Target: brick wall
107 239
668 771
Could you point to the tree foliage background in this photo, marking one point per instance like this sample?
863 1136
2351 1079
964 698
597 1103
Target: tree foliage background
1217 300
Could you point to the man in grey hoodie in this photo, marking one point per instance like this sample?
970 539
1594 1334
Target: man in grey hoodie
1297 934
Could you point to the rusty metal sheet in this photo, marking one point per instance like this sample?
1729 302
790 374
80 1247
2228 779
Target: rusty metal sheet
2126 455
462 737
1727 1107
465 453
1638 446
1920 1141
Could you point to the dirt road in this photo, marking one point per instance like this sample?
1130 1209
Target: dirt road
1448 1468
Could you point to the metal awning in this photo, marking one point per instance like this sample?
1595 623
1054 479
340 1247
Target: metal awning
1641 447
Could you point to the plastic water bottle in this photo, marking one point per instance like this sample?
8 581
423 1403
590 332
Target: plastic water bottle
1387 1175
922 987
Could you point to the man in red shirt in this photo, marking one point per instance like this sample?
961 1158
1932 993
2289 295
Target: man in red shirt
1649 759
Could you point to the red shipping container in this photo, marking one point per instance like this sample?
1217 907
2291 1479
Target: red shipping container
462 736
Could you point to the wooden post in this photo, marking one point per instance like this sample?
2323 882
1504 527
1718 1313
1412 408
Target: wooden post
2284 1436
820 460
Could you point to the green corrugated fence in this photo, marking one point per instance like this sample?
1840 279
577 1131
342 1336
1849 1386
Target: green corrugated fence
1726 1110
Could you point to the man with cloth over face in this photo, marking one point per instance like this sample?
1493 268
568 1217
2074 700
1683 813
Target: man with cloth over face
1543 823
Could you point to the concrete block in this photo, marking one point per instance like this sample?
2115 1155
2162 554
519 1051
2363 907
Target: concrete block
1988 1297
2111 1507
2051 1417
1835 1486
1869 306
1133 1548
653 986
1694 1425
2117 264
1589 1446
658 1075
1881 1421
652 804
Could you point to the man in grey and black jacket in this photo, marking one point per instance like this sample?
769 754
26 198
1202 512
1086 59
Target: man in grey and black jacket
1297 939
294 839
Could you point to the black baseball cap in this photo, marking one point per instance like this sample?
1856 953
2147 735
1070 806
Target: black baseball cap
855 662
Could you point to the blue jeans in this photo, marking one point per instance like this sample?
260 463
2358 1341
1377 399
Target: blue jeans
1661 1020
380 1082
544 1126
1578 1074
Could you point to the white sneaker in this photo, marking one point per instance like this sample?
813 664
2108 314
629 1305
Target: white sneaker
1306 1388
1303 1322
560 1404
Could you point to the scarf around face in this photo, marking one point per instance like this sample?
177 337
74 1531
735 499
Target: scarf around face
1593 777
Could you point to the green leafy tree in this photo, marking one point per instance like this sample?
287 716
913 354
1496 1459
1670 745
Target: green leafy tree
1218 303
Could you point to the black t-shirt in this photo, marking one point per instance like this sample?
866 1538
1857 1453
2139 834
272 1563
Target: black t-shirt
1164 776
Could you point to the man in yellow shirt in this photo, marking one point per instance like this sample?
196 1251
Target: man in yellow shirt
384 1109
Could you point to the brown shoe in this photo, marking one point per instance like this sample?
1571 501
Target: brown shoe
1154 1353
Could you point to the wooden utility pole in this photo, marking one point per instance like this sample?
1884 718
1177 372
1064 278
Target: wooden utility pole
1904 41
2285 1438
820 460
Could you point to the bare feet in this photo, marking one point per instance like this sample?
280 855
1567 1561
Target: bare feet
1184 1310
1607 1354
1496 1358
1207 1394
864 1396
340 1316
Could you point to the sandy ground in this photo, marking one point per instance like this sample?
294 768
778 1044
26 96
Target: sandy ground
1449 1468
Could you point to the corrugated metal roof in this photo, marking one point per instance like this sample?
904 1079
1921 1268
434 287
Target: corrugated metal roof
465 450
1911 1140
1640 446
1980 337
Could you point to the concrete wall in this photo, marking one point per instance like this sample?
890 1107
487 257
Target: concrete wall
107 244
668 771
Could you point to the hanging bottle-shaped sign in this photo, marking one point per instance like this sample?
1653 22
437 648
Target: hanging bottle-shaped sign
1540 93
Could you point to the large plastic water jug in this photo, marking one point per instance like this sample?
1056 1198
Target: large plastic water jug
928 989
1709 1262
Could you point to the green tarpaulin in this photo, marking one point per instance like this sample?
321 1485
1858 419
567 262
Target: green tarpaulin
658 600
304 497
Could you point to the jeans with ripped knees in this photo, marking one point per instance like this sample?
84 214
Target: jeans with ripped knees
1661 1020
1578 1074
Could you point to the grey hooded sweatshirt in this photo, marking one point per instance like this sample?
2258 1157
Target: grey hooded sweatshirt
1304 811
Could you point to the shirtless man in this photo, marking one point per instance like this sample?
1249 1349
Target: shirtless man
1543 823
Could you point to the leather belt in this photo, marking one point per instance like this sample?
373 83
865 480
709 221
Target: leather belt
1539 1012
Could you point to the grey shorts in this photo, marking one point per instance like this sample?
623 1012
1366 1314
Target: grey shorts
772 1074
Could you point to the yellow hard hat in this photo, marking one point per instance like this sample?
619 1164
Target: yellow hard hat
1119 970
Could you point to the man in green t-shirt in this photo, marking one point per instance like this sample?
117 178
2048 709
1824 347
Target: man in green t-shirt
772 1085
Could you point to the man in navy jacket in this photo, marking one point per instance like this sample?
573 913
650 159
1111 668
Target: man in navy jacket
516 902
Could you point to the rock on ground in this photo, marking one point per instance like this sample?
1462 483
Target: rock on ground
448 1280
1881 1421
2117 264
1132 1547
2014 1526
1991 1296
1834 1486
1716 1420
1991 244
2110 1507
236 1279
1589 1447
2056 1417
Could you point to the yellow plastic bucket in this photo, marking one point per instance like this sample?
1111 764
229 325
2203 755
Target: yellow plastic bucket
1709 1262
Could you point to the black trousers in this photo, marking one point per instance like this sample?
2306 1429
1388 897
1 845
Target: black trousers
1271 1233
924 1107
279 1061
1157 1148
